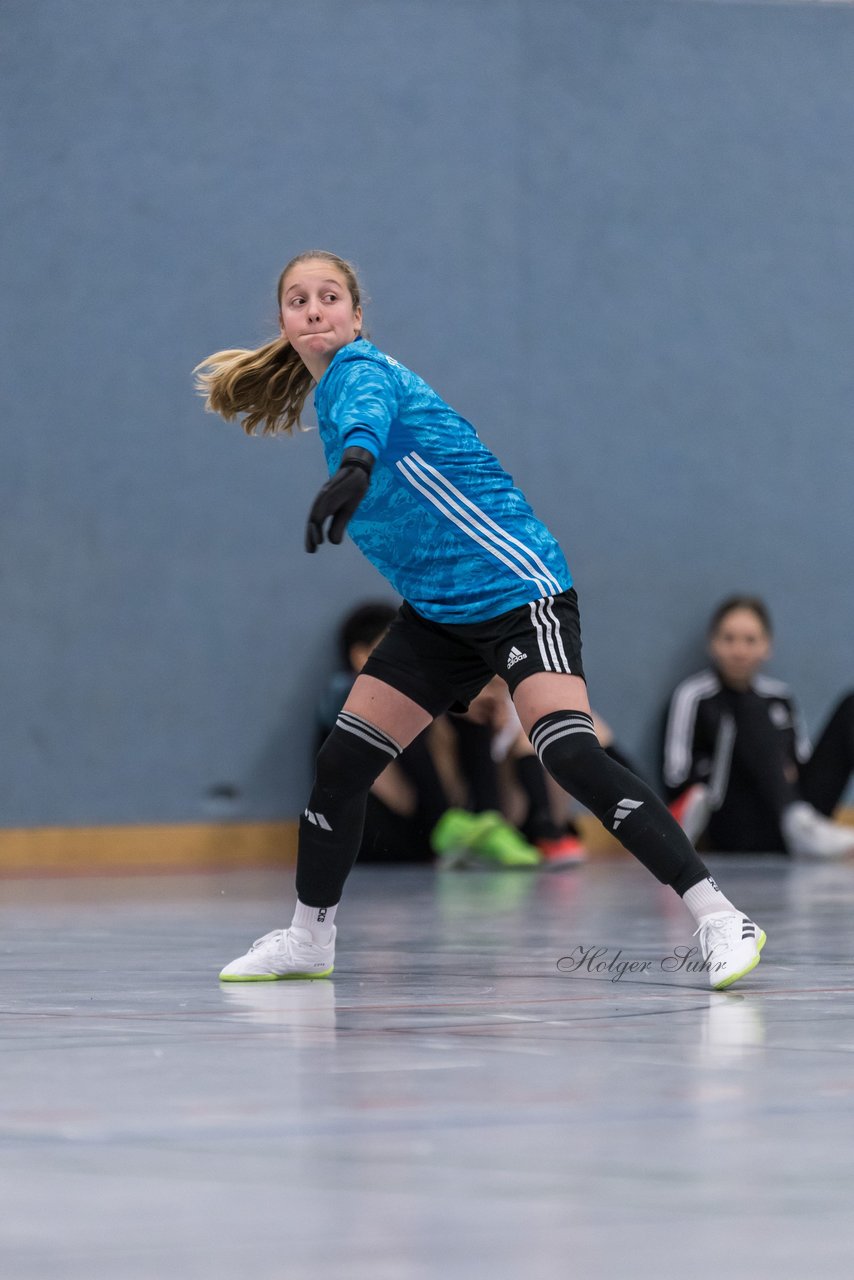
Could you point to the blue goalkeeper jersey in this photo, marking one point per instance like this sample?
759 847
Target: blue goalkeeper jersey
441 520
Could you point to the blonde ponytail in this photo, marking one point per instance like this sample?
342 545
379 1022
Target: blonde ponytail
269 386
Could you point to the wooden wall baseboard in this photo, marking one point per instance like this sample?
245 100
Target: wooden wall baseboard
190 847
182 847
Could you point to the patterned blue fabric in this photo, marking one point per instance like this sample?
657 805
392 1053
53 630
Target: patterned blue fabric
442 520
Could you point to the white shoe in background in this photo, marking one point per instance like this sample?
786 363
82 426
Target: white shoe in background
808 834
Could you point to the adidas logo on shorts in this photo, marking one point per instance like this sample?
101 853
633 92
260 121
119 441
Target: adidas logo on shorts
515 656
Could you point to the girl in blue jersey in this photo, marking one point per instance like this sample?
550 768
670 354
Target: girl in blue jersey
486 591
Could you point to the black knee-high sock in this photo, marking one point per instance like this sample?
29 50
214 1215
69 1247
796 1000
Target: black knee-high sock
568 747
330 830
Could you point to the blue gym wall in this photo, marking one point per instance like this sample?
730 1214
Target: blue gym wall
617 234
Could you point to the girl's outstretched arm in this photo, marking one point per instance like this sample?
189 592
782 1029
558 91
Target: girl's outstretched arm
339 497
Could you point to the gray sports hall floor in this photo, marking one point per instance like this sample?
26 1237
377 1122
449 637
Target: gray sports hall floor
452 1104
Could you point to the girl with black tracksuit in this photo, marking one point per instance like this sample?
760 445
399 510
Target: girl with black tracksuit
735 737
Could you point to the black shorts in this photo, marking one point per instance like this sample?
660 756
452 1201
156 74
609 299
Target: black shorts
443 666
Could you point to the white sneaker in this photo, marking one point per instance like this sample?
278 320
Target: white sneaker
284 953
808 834
730 944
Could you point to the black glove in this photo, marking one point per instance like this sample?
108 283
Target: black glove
339 497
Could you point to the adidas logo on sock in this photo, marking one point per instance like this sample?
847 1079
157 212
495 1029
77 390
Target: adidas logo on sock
515 656
318 820
624 808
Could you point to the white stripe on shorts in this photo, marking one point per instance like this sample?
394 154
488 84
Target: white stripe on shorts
547 628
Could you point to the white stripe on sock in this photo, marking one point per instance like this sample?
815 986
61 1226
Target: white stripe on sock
394 752
578 719
349 720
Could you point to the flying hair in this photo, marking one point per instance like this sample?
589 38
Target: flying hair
268 386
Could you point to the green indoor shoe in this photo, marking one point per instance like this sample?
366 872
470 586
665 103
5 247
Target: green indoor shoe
452 835
481 839
499 844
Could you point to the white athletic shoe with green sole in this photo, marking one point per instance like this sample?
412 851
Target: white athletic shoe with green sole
280 955
730 944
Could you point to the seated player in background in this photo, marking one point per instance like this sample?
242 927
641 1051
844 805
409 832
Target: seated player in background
412 809
481 741
543 820
737 762
410 815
